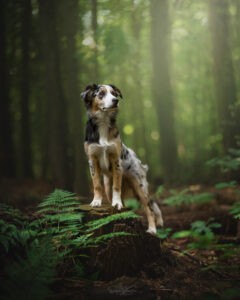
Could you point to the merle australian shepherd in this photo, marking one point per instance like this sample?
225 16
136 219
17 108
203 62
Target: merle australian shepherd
110 158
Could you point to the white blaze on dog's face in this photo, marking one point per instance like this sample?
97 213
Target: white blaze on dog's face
108 97
101 98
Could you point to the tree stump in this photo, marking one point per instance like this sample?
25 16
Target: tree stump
123 255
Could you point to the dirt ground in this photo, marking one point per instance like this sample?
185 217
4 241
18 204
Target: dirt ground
147 267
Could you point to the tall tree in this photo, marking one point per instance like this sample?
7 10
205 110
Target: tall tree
7 167
223 71
24 87
94 24
136 27
72 28
161 84
56 121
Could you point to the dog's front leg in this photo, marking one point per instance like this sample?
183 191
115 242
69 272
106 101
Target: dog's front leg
116 182
96 179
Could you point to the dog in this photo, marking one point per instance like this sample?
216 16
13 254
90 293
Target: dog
108 156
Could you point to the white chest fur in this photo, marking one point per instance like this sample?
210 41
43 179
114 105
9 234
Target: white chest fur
104 148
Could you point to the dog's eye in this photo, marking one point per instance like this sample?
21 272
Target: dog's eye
101 94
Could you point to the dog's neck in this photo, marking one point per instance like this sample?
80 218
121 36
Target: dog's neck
99 127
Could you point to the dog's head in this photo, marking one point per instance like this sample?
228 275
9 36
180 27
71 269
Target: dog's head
103 97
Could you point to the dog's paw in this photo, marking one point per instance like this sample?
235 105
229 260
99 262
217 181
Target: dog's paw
96 202
117 203
152 230
159 221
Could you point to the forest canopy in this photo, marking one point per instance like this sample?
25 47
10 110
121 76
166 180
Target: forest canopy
176 62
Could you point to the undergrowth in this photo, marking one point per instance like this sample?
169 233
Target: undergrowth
32 251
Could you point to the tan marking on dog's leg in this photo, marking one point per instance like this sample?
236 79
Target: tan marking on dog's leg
96 179
108 187
151 219
143 197
117 182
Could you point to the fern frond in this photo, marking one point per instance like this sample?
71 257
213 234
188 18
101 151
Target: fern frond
58 198
30 277
82 241
65 217
93 225
104 237
7 212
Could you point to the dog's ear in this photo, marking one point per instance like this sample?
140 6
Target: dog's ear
119 94
88 93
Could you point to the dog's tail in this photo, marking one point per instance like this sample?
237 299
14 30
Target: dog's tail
157 212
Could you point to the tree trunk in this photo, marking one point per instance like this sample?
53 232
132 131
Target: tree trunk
223 71
7 166
137 101
95 73
24 82
56 121
71 67
162 90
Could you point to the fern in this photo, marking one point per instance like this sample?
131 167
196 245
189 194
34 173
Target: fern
93 225
30 277
60 210
201 233
227 163
60 224
235 210
14 230
163 233
184 198
8 213
7 235
105 237
224 185
57 201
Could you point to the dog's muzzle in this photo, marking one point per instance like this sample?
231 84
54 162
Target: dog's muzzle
115 102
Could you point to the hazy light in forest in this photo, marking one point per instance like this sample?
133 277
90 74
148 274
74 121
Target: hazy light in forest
89 41
155 135
128 129
181 150
147 103
141 152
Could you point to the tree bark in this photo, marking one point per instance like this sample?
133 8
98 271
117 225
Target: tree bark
137 101
161 84
56 121
72 28
94 9
7 165
223 71
25 90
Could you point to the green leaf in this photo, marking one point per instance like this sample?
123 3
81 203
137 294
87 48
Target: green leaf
224 185
235 210
132 203
160 190
181 234
163 233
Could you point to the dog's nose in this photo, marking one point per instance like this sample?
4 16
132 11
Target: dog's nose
115 101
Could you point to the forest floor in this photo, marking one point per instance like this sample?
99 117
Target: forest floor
166 268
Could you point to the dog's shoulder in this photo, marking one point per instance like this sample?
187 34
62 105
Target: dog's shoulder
91 133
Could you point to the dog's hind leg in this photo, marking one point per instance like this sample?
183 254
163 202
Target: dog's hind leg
157 211
141 191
